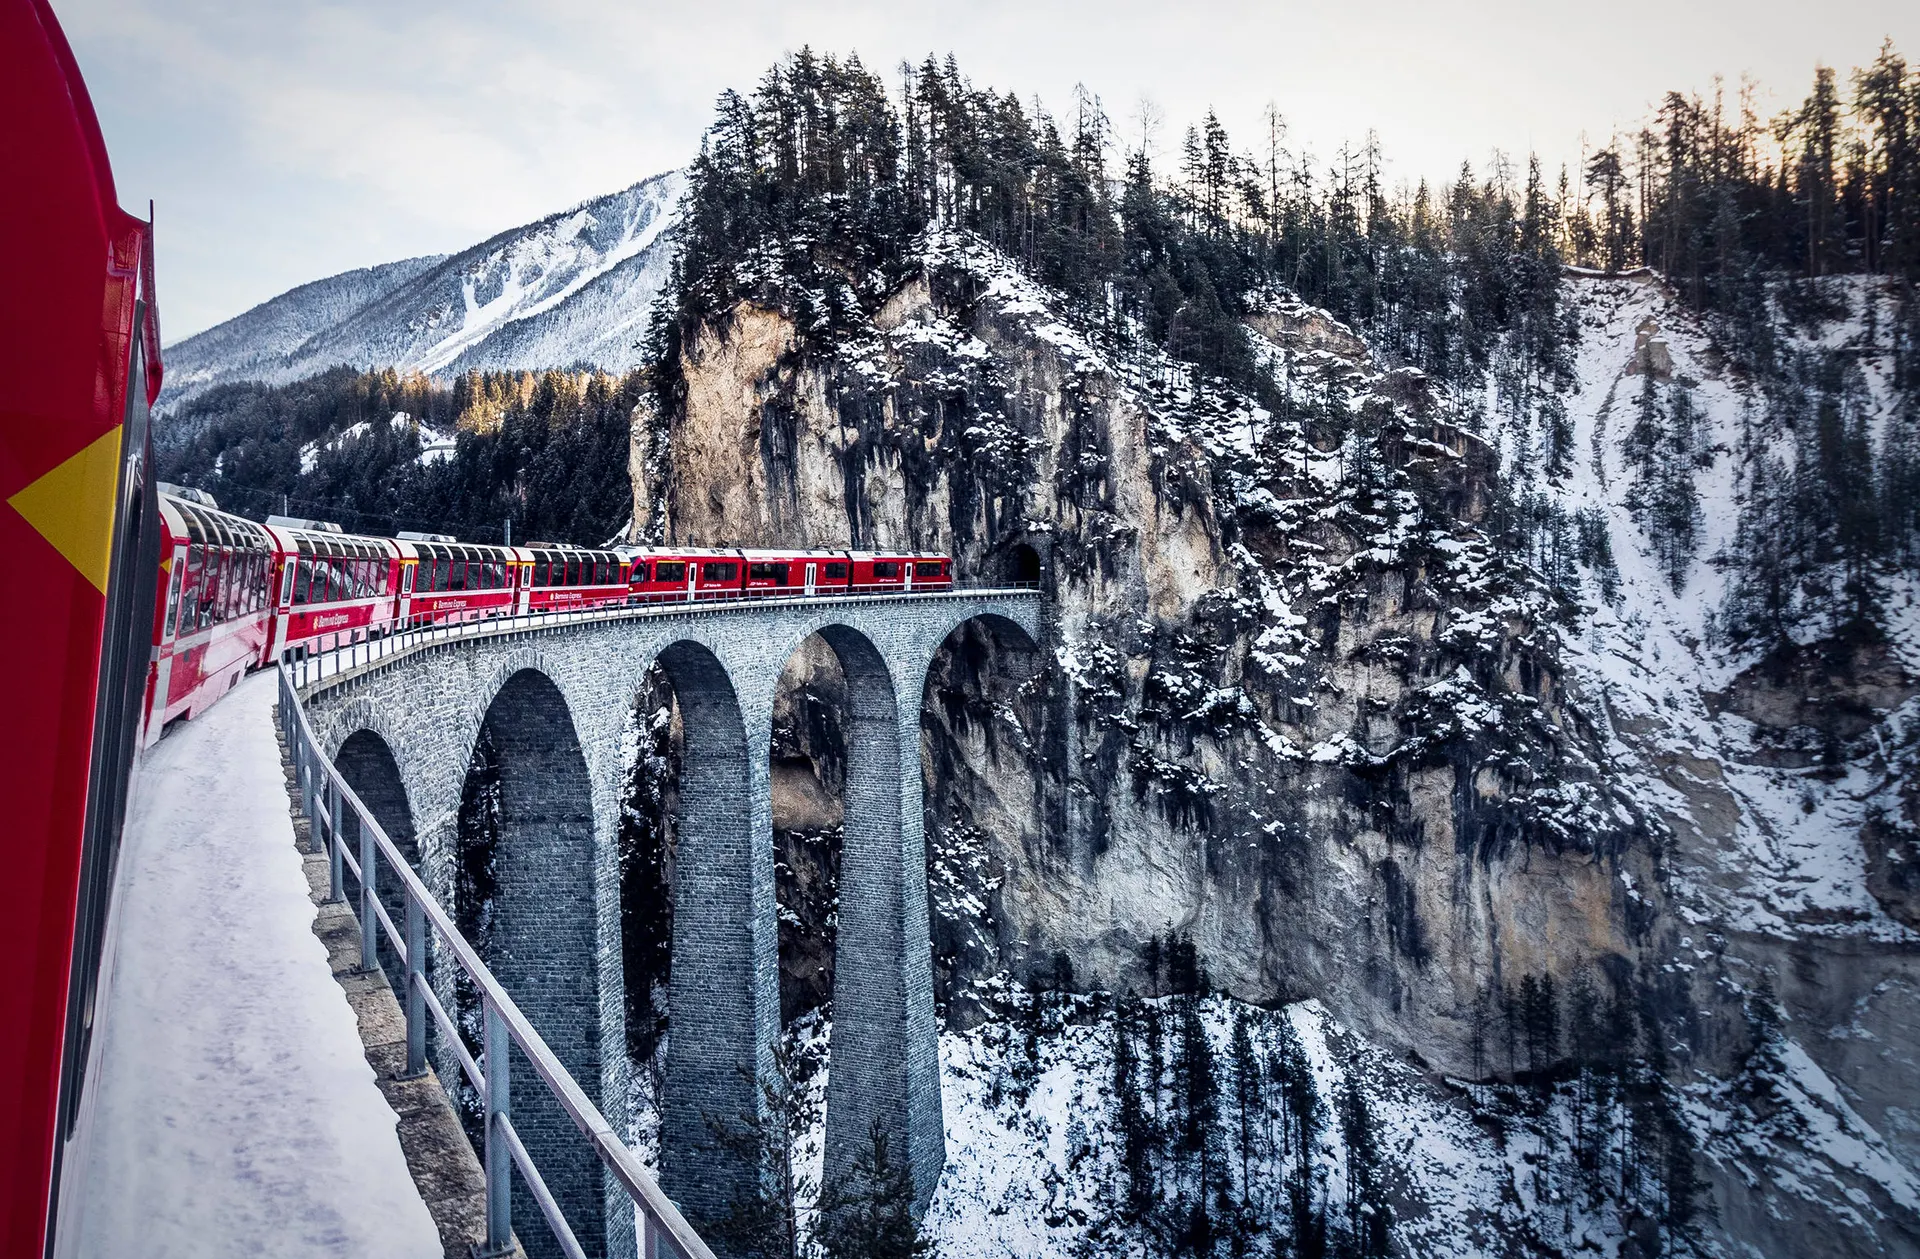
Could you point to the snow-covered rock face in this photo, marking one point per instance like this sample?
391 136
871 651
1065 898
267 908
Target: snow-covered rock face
1784 776
575 288
1299 707
1295 706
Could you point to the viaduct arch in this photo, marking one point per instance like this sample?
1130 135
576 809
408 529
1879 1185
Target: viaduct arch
554 701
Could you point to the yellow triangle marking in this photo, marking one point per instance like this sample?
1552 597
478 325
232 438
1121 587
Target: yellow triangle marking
72 506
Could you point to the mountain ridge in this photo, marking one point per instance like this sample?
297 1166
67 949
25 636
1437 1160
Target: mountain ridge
576 286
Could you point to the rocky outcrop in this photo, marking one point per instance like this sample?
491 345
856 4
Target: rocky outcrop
1294 706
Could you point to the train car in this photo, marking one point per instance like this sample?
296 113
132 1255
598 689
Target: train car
80 527
880 572
214 618
932 571
568 579
329 586
455 582
787 574
685 574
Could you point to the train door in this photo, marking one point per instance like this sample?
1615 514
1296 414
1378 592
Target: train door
693 575
523 596
404 604
813 573
161 677
906 580
279 619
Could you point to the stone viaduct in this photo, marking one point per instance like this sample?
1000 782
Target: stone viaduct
555 702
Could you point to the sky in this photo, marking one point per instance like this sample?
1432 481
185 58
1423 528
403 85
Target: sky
284 142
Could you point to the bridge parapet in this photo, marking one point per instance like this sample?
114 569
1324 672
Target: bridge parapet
539 694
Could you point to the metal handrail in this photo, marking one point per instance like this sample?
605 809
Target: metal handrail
326 798
357 649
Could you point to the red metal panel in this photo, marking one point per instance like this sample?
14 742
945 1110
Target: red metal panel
72 259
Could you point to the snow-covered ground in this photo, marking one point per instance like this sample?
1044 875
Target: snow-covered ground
233 1112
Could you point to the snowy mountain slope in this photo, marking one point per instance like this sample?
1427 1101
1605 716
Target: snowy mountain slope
1735 1000
1769 770
575 287
1787 859
260 340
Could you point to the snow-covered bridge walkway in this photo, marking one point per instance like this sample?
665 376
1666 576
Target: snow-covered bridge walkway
235 1113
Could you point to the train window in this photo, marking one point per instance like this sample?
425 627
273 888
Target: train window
439 581
170 623
573 572
302 571
230 586
926 568
540 573
209 590
670 570
189 591
498 570
885 568
719 572
212 589
640 571
836 572
600 574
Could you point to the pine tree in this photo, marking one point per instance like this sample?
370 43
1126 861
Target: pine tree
1130 1118
871 1216
1249 1103
1368 1213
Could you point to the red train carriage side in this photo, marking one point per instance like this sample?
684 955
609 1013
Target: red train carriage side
776 574
79 525
685 574
880 572
568 579
326 584
213 618
461 581
932 571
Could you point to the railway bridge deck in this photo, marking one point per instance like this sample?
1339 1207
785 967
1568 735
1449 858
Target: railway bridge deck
552 699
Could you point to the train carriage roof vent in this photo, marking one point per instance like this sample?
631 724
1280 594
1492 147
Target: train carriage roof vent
411 535
187 493
311 526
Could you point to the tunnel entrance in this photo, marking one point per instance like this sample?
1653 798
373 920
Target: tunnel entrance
1023 566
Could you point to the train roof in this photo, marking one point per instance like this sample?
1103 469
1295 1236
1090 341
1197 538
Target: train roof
348 545
211 527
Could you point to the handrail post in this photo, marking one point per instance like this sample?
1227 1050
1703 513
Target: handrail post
336 858
499 1169
369 878
416 987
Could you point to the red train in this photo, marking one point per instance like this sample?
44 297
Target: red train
234 595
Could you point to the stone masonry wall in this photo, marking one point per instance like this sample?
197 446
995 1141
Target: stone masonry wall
558 698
